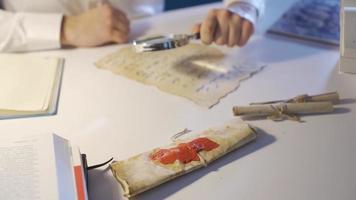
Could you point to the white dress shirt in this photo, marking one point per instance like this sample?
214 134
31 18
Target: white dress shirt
29 25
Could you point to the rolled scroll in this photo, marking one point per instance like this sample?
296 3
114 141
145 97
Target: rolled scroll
331 97
150 169
328 97
284 108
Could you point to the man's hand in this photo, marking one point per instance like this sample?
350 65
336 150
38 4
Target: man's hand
224 28
95 27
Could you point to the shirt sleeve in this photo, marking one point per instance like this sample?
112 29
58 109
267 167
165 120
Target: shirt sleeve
252 10
21 32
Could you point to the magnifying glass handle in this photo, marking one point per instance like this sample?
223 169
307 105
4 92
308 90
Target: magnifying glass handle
194 36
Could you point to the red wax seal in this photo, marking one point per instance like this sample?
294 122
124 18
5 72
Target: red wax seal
184 152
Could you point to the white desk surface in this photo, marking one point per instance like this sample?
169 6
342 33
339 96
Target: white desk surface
108 115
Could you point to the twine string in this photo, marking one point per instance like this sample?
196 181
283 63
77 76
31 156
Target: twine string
281 113
180 134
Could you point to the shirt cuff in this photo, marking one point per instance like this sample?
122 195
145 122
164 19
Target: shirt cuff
245 10
43 31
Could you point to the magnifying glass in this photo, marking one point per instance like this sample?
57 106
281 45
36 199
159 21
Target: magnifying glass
163 42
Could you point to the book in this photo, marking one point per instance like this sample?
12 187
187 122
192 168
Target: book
41 167
316 20
29 85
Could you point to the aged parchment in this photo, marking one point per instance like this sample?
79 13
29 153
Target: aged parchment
201 73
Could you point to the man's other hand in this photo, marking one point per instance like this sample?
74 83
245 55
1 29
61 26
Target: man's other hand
224 28
95 27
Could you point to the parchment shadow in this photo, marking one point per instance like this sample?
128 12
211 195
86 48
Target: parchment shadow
102 185
197 66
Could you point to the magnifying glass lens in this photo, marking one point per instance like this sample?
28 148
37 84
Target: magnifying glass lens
162 42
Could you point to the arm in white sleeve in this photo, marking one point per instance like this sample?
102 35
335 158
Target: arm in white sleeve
21 32
251 10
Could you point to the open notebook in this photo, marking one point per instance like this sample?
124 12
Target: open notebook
41 167
29 85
